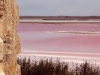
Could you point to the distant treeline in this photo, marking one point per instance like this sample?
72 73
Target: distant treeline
60 17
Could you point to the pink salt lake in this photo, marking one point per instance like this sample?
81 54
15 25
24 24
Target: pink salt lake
45 41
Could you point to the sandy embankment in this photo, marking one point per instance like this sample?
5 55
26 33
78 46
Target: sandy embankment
57 21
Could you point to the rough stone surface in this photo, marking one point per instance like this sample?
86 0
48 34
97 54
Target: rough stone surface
9 40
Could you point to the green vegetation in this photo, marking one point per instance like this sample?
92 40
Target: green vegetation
50 67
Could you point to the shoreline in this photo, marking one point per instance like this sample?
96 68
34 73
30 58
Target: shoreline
39 21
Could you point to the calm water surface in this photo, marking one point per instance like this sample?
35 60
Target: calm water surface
45 41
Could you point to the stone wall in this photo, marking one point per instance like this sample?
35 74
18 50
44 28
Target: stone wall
9 40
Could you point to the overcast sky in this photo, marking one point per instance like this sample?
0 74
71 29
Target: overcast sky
59 7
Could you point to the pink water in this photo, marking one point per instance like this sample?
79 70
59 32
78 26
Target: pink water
57 27
41 40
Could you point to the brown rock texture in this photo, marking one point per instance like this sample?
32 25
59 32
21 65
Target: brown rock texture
9 40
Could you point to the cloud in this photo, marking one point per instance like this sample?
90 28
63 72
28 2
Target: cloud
59 7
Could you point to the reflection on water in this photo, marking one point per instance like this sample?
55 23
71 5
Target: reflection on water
68 42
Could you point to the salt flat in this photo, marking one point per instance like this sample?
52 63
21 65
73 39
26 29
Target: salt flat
59 21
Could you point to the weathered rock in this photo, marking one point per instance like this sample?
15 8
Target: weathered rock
9 40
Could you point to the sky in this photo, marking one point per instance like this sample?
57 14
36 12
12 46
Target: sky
59 7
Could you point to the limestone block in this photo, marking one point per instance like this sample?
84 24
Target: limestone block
1 72
1 50
9 40
17 45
